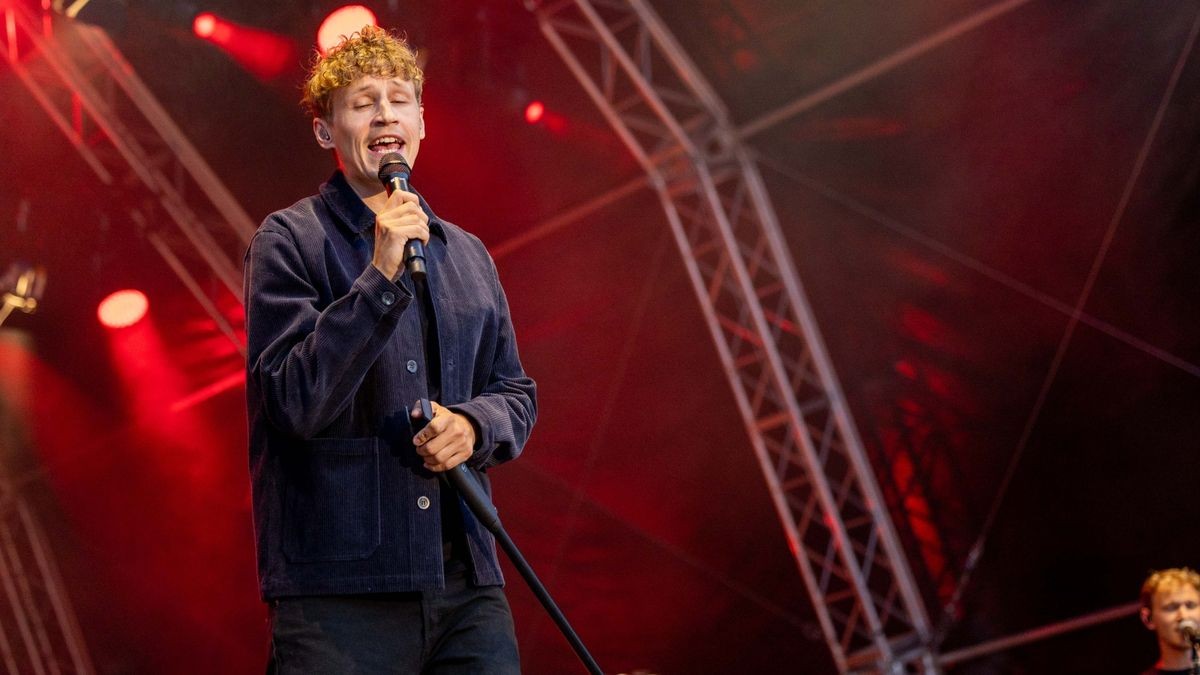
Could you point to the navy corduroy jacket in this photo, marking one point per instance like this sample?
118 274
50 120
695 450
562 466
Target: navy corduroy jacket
341 501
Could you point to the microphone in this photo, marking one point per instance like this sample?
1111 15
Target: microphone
1190 630
393 173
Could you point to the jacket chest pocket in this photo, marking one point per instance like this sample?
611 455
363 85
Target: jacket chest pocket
331 500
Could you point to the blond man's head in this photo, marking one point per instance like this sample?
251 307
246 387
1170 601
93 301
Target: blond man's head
1170 598
1168 580
371 51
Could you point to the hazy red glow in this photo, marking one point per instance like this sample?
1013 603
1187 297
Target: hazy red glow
230 381
262 53
123 308
341 22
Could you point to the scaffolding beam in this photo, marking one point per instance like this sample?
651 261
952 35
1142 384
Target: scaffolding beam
800 426
108 114
39 632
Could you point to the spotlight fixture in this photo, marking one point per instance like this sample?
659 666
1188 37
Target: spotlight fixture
108 14
21 288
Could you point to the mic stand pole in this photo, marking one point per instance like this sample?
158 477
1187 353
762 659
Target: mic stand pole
485 511
483 508
1195 657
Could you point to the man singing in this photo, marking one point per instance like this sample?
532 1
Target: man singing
368 562
1170 597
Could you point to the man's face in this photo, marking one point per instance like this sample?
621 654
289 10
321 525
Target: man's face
368 119
1171 605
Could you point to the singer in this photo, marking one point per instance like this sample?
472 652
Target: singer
368 563
1170 600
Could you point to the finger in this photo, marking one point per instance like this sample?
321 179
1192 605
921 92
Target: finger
440 453
448 449
404 213
442 417
404 225
423 436
399 197
448 462
434 444
431 431
432 438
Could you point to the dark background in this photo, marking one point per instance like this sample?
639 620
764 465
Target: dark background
998 238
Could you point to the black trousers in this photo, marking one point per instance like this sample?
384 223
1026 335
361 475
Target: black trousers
461 629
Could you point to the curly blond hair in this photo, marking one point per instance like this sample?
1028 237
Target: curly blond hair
370 51
1168 579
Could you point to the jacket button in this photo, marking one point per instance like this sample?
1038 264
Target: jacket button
422 502
411 366
388 298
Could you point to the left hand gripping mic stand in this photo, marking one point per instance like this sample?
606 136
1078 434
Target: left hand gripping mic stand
485 511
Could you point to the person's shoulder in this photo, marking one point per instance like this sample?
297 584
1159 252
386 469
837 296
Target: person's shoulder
304 210
300 224
456 235
290 227
455 232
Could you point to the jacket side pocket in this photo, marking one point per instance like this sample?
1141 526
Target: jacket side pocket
331 500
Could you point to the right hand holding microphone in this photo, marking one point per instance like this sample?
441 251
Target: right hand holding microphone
401 219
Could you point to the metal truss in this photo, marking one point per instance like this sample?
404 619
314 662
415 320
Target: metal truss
821 482
93 95
38 630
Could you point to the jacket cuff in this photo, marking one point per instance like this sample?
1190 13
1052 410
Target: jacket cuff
384 295
485 437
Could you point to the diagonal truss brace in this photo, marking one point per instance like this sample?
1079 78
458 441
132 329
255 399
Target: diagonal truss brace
39 632
801 429
94 96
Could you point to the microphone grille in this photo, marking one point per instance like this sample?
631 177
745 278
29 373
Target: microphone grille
392 164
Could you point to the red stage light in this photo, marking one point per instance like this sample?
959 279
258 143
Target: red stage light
534 112
261 52
123 308
204 25
343 22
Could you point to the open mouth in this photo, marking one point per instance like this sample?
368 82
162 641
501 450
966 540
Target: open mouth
385 144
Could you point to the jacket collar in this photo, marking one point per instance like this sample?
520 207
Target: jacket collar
354 215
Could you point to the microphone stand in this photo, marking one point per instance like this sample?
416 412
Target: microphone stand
472 493
461 478
1195 657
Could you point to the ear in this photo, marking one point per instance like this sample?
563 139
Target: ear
1145 616
323 133
422 125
